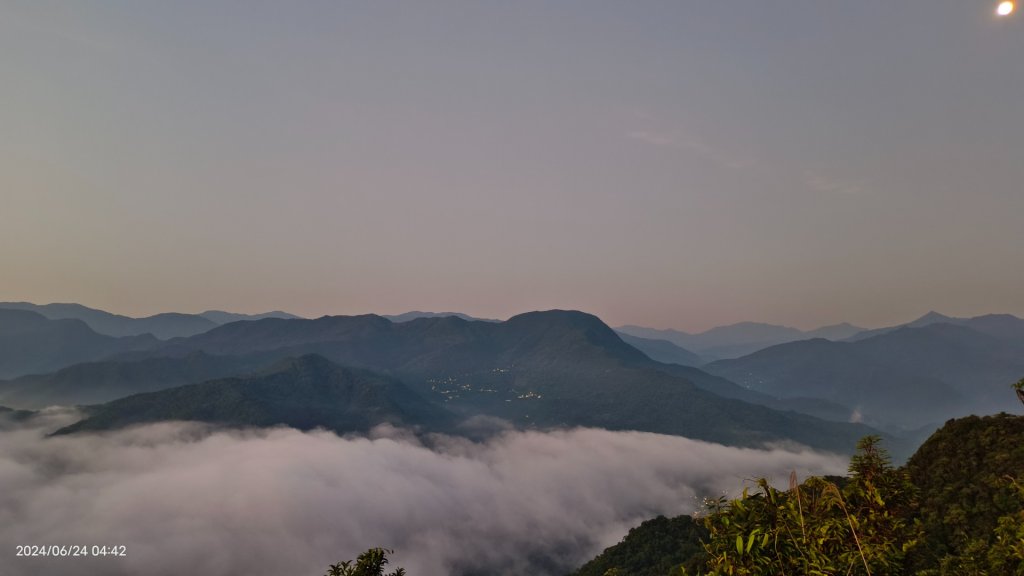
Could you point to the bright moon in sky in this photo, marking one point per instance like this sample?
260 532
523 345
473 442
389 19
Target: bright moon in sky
1005 8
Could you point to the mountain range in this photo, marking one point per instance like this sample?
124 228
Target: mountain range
31 343
740 339
415 314
908 376
554 368
540 369
102 381
222 317
10 417
164 365
662 350
998 325
162 326
304 393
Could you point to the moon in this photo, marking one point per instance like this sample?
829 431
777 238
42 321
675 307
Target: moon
1005 8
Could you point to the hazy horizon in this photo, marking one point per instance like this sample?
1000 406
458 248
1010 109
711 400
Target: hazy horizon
668 165
503 318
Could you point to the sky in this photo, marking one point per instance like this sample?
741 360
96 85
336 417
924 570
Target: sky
669 164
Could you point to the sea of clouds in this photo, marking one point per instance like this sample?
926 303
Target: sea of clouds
187 499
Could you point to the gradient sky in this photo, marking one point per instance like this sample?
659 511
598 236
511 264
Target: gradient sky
671 164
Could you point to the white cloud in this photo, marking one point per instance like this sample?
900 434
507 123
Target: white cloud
185 499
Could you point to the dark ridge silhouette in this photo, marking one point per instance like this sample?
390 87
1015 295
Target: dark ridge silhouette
162 326
222 317
909 376
539 369
304 393
662 350
415 314
740 339
98 382
32 344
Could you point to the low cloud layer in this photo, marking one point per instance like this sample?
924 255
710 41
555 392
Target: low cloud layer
188 500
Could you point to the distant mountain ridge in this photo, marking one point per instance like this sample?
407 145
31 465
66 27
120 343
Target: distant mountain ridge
739 339
174 364
999 325
10 416
102 381
444 355
33 344
721 342
304 393
539 369
554 368
662 350
743 338
222 317
163 326
910 375
416 314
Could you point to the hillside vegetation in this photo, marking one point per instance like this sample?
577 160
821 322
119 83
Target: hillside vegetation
956 508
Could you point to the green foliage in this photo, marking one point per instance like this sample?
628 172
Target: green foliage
1000 553
968 500
657 547
957 508
816 527
1006 550
369 563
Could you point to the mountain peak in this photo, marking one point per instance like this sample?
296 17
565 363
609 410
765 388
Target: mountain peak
564 333
418 314
571 317
840 325
222 317
562 320
932 317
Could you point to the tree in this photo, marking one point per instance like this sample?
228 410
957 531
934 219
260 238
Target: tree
955 509
369 563
1019 387
816 527
962 473
1005 555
